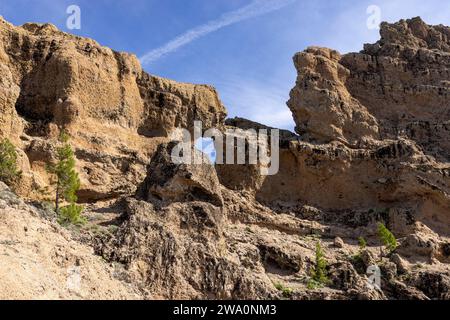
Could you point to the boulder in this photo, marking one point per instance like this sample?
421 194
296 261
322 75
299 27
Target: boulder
338 242
168 182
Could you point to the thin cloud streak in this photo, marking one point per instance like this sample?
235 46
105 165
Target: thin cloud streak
254 9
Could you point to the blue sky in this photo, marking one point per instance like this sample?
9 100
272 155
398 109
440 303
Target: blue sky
242 47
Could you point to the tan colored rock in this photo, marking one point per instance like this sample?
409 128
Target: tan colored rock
402 265
372 146
419 245
169 182
180 252
373 137
41 260
115 113
323 108
339 243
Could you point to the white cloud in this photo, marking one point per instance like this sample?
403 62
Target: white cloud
254 9
263 102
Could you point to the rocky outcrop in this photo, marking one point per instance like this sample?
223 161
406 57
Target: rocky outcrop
168 182
323 108
41 260
180 251
397 87
53 81
371 145
372 134
380 117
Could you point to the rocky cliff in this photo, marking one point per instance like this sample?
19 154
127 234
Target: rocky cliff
371 146
116 113
387 111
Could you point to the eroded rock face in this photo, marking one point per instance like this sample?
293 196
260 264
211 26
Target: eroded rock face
372 130
245 177
52 81
39 256
180 251
169 182
371 146
323 108
397 87
394 92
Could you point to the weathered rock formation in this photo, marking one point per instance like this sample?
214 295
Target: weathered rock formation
168 182
372 129
372 145
41 260
115 113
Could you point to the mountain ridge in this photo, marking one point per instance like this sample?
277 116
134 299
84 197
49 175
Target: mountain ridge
371 146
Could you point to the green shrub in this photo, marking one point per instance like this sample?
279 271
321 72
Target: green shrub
9 172
362 243
286 291
356 258
71 214
313 284
319 275
387 238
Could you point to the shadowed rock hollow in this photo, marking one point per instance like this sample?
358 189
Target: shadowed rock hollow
371 145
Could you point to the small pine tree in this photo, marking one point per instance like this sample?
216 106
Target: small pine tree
387 238
9 173
319 275
66 183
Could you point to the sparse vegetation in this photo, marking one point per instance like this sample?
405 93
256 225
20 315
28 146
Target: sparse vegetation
286 291
9 172
313 284
319 275
66 183
387 238
362 243
356 259
71 214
